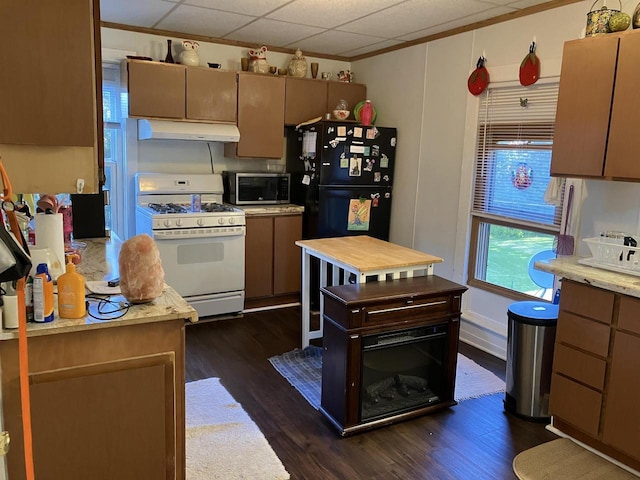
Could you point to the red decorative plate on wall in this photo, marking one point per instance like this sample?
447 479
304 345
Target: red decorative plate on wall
479 78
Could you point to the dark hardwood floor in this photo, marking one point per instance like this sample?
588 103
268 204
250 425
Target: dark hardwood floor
475 439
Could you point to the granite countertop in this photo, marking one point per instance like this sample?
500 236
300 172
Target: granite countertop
568 267
99 263
282 209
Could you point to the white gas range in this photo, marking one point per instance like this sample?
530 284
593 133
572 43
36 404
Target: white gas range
201 240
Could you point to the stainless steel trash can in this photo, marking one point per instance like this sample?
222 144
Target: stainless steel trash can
531 336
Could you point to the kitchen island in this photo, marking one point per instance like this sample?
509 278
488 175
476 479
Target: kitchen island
107 395
595 381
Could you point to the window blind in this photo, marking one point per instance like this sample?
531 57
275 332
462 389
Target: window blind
513 155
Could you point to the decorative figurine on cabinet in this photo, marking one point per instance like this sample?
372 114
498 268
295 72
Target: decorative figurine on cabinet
189 55
258 60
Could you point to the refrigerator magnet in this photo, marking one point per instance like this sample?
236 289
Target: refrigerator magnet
369 163
355 167
377 176
356 149
367 151
306 180
342 131
372 133
344 161
384 161
374 199
334 143
393 142
359 214
375 150
357 132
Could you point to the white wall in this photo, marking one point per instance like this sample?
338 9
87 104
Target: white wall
434 173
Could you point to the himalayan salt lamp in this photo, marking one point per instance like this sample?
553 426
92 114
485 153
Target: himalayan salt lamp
141 273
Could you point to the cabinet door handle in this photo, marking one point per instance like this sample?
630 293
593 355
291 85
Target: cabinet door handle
407 307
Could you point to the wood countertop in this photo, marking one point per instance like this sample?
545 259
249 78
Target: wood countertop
367 254
100 262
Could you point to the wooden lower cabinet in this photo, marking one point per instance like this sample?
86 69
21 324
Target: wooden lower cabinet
272 259
594 387
105 404
389 351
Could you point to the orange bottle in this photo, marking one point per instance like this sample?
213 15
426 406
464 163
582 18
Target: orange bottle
71 294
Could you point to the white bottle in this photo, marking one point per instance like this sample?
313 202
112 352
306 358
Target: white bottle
10 307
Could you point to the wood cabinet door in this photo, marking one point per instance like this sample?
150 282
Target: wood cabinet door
287 256
584 104
351 92
105 421
622 148
211 95
48 88
305 99
622 416
260 115
156 90
258 264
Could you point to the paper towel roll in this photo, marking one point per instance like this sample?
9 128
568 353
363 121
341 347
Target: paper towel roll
49 234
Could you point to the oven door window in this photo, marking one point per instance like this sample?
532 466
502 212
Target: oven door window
200 266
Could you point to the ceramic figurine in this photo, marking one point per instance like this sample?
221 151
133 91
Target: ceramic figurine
298 65
345 76
258 60
189 55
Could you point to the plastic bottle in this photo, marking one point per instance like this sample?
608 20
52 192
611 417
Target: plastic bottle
71 300
42 295
10 306
366 113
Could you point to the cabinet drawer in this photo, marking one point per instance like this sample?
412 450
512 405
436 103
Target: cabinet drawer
587 301
406 310
583 333
579 366
629 314
575 404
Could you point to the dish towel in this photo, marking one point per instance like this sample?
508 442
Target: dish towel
553 194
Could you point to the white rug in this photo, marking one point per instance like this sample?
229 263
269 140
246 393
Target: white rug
222 441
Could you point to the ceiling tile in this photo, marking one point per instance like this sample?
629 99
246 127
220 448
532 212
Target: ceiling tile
203 21
334 42
273 32
371 48
478 17
143 13
255 8
412 16
328 13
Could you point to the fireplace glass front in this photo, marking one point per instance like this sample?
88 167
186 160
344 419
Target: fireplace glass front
403 370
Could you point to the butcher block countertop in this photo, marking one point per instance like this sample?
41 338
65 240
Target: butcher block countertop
100 263
367 254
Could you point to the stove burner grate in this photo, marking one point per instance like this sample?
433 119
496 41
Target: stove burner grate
216 207
167 208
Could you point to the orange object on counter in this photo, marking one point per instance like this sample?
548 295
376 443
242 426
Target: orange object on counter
71 294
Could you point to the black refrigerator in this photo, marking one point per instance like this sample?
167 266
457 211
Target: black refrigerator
343 175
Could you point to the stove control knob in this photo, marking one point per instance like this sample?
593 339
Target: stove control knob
167 223
179 222
221 221
200 222
232 221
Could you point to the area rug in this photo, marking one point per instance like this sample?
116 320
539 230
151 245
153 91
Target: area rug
563 459
303 370
222 441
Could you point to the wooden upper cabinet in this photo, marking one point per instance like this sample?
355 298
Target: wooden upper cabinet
584 102
51 95
169 91
211 95
260 117
351 92
156 90
622 148
305 99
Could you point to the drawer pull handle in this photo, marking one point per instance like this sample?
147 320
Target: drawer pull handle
398 309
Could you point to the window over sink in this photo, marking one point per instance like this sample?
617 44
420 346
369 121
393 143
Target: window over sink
510 220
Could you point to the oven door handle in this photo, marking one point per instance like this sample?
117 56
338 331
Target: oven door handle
184 235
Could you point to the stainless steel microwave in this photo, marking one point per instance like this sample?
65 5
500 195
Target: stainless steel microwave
243 188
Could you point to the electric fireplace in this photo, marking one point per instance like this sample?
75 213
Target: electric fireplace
389 351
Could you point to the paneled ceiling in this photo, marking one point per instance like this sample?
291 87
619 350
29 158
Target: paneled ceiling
347 29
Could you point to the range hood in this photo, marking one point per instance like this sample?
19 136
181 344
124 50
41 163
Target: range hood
205 132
